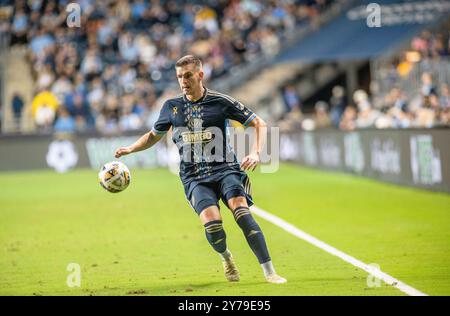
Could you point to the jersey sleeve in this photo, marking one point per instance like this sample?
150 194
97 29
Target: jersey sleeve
235 110
163 124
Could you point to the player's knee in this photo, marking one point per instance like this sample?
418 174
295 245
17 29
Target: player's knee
236 202
210 213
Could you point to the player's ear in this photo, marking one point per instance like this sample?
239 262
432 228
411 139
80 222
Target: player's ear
201 74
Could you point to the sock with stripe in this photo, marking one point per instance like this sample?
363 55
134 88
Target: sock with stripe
253 233
216 236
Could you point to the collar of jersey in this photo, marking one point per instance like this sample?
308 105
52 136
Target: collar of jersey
199 100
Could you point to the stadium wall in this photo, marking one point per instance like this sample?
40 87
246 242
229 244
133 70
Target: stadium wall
64 152
418 158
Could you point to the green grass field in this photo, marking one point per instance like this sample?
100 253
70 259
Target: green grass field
148 241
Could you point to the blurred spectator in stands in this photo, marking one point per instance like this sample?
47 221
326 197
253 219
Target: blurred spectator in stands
187 21
206 19
292 121
44 117
431 44
61 88
64 123
270 43
394 110
397 110
17 107
107 123
148 37
291 98
439 47
129 121
448 46
420 43
91 65
151 112
425 115
121 9
43 108
398 100
337 102
444 99
399 118
45 78
39 42
19 26
138 8
96 92
321 117
428 87
366 114
82 113
6 18
348 120
107 119
145 48
126 79
444 118
127 49
434 103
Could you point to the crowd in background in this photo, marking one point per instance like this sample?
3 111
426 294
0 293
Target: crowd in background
110 73
425 104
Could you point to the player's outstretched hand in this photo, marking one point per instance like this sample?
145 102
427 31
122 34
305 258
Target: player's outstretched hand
250 162
122 151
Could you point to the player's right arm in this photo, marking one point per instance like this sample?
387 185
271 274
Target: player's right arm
147 140
144 142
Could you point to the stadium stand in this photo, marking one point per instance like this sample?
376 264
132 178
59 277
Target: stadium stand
110 74
418 93
409 88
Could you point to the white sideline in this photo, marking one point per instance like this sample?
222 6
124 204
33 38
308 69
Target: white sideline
320 244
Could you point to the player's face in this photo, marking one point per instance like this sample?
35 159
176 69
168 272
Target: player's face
189 79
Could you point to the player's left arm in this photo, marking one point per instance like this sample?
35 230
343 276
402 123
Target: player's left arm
251 161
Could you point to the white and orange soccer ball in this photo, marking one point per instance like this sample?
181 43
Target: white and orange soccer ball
114 176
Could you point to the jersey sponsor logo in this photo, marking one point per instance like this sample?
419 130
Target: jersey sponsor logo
196 137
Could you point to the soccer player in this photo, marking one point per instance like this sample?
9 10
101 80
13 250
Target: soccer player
199 117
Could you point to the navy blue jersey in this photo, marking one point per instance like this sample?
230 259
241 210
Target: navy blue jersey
200 132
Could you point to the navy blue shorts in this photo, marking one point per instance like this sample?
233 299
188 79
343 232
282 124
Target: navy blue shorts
207 192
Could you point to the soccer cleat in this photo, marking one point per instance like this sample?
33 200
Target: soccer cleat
230 269
275 278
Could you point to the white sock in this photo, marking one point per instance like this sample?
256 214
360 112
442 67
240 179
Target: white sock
225 255
268 268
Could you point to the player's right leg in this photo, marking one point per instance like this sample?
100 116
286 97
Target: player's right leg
204 200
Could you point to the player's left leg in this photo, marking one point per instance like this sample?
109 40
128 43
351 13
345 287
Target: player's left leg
254 235
215 234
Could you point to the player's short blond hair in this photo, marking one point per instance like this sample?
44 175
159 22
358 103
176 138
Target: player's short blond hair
187 60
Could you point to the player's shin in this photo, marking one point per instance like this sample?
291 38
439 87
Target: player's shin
216 236
257 242
253 233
